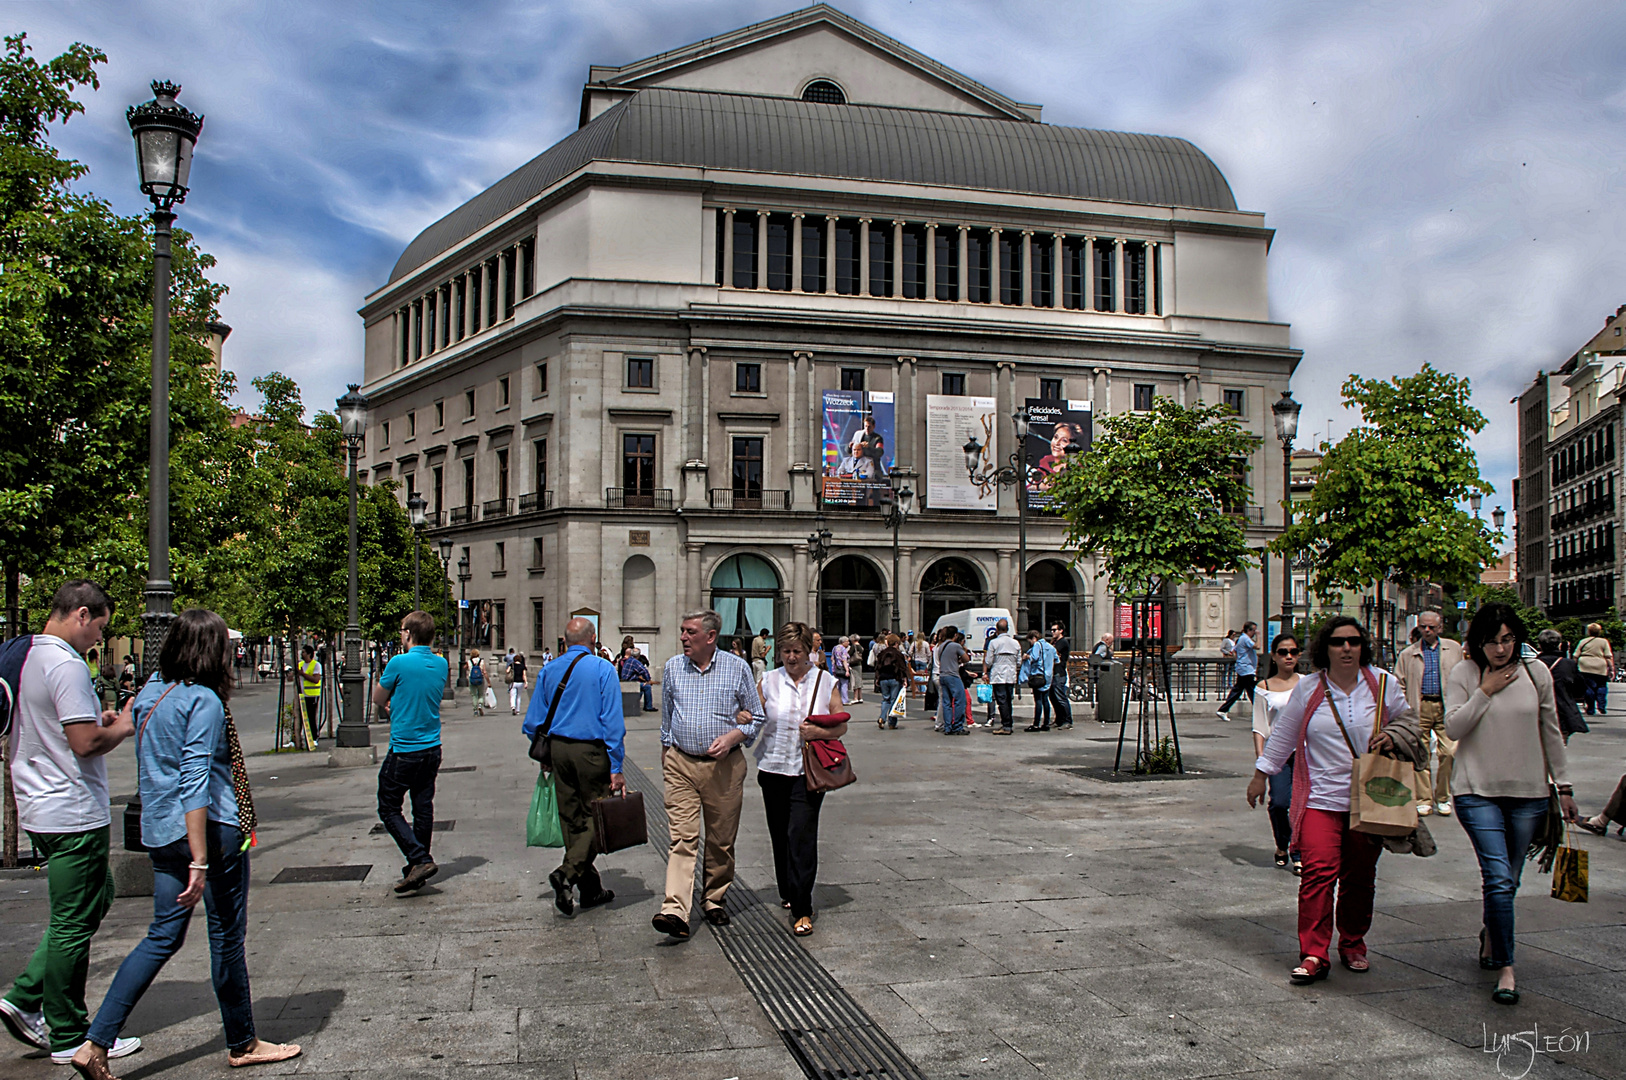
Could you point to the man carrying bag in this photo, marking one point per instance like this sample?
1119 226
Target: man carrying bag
577 711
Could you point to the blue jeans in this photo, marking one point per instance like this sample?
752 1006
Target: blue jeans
1500 830
225 898
951 691
889 695
1281 800
648 692
412 773
1059 701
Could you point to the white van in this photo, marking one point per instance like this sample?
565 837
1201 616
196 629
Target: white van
977 624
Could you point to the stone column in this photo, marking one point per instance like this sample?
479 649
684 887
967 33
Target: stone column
1191 389
1004 596
696 420
802 427
1027 267
963 293
488 280
995 268
443 296
1089 273
396 338
519 272
469 322
863 256
762 249
798 583
1103 393
692 551
728 247
795 253
931 260
829 257
1004 409
1058 284
502 286
908 610
903 397
897 259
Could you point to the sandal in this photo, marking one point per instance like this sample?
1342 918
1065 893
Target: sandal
802 926
1595 830
1298 868
1356 963
263 1053
1311 969
1281 859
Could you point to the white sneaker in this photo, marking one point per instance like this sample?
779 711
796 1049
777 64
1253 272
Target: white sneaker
120 1048
25 1027
1424 809
1444 807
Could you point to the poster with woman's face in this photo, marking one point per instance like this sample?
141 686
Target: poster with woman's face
1053 427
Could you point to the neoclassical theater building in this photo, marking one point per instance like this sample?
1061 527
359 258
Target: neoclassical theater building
611 373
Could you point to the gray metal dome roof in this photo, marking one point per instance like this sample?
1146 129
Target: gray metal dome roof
865 142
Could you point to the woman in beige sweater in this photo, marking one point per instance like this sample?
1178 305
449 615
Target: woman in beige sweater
1504 718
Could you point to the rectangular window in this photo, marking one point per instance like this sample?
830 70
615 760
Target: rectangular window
430 305
748 378
721 252
745 249
1074 274
542 378
813 253
948 263
537 562
502 475
747 469
403 322
979 271
641 372
509 285
499 625
1103 274
779 252
1050 389
440 415
880 258
1144 392
846 256
384 442
468 404
411 481
437 478
446 337
527 277
499 557
914 262
539 626
460 301
954 384
1135 279
1010 267
1043 263
539 455
852 378
1235 400
491 301
412 425
468 482
638 466
502 392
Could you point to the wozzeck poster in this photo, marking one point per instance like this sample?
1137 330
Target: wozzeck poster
859 447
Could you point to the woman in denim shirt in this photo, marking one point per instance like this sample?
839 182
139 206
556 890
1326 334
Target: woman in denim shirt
197 821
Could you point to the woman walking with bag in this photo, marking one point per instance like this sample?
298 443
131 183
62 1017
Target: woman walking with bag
1320 726
197 821
1503 714
790 693
1267 705
1597 663
891 671
477 683
516 684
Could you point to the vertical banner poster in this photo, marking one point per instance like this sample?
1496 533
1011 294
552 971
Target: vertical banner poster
859 447
1052 425
951 421
1125 620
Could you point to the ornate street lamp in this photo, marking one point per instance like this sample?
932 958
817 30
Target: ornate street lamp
899 504
352 725
1286 415
463 576
165 134
1498 517
1011 475
445 544
415 511
818 549
1474 502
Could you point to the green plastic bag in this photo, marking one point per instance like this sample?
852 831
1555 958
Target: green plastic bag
542 827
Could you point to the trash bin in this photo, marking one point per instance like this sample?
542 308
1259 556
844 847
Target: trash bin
1109 691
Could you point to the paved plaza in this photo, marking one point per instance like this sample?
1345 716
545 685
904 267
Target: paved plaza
995 907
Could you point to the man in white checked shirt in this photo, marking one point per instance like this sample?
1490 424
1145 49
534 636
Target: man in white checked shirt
709 709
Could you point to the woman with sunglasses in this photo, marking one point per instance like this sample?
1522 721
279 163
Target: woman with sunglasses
1325 720
1504 716
1273 695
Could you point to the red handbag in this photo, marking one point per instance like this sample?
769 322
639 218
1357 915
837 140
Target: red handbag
825 762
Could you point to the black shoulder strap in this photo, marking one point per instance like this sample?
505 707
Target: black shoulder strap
547 725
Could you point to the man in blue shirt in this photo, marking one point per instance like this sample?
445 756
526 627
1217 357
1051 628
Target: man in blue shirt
1247 669
409 694
586 737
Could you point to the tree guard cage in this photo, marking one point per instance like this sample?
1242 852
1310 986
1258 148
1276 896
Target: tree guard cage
1147 685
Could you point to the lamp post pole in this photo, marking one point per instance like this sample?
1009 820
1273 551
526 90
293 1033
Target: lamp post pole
1014 474
818 547
445 606
463 576
165 134
415 511
353 724
899 501
1286 415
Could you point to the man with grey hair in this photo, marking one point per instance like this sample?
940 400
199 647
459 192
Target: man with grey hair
709 709
1423 668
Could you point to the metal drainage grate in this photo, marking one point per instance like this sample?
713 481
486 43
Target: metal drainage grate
440 826
309 875
826 1031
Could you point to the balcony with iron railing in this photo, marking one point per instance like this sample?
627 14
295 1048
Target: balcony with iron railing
1580 515
749 499
534 502
498 508
1587 560
432 519
463 515
638 498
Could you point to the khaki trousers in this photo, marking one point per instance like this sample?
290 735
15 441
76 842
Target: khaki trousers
1431 717
701 788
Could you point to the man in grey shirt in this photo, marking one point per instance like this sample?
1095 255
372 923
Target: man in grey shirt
950 687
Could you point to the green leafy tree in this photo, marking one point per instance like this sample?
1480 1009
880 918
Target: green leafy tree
1155 495
1386 501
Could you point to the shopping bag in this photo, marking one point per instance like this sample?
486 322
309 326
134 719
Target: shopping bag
491 698
1382 796
1570 875
985 693
900 706
542 827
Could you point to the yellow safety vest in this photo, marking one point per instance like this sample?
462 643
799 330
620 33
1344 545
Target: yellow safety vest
309 689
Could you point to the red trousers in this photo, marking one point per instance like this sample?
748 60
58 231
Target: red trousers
1335 856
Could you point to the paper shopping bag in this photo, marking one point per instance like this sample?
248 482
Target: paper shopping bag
1570 875
1382 801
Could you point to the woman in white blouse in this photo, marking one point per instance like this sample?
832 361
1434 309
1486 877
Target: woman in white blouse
1324 720
789 694
1267 705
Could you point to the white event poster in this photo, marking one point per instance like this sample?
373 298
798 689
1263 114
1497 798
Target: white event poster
951 422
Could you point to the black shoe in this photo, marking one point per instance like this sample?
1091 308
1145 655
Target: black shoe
603 896
561 892
1033 727
717 917
671 926
416 876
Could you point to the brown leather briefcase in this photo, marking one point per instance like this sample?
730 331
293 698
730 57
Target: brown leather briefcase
619 822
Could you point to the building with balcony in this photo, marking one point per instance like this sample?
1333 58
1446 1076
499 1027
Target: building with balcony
608 372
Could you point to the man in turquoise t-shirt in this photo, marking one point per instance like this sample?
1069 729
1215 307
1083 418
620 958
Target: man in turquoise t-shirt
409 693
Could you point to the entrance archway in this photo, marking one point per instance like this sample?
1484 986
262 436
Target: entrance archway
854 598
1053 598
745 592
951 584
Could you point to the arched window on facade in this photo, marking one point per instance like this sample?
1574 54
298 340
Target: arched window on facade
745 591
853 598
824 92
638 591
950 584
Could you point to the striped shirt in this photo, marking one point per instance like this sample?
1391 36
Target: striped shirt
698 706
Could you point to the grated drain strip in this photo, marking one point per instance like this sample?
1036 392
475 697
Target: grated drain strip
822 1026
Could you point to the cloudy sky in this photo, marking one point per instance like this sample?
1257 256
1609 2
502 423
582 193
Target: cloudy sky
1445 179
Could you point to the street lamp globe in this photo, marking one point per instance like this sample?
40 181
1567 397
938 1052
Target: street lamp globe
165 134
1474 502
1020 419
416 507
1286 414
446 550
463 569
973 453
906 499
1498 516
353 414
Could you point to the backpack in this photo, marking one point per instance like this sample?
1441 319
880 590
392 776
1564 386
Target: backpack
13 655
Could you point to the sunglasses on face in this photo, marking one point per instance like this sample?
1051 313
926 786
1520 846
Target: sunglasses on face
1344 642
1287 652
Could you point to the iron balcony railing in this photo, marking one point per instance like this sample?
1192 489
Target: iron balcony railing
535 501
462 515
498 508
749 499
638 498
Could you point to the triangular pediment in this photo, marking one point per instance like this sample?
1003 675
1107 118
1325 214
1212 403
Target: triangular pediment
780 57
